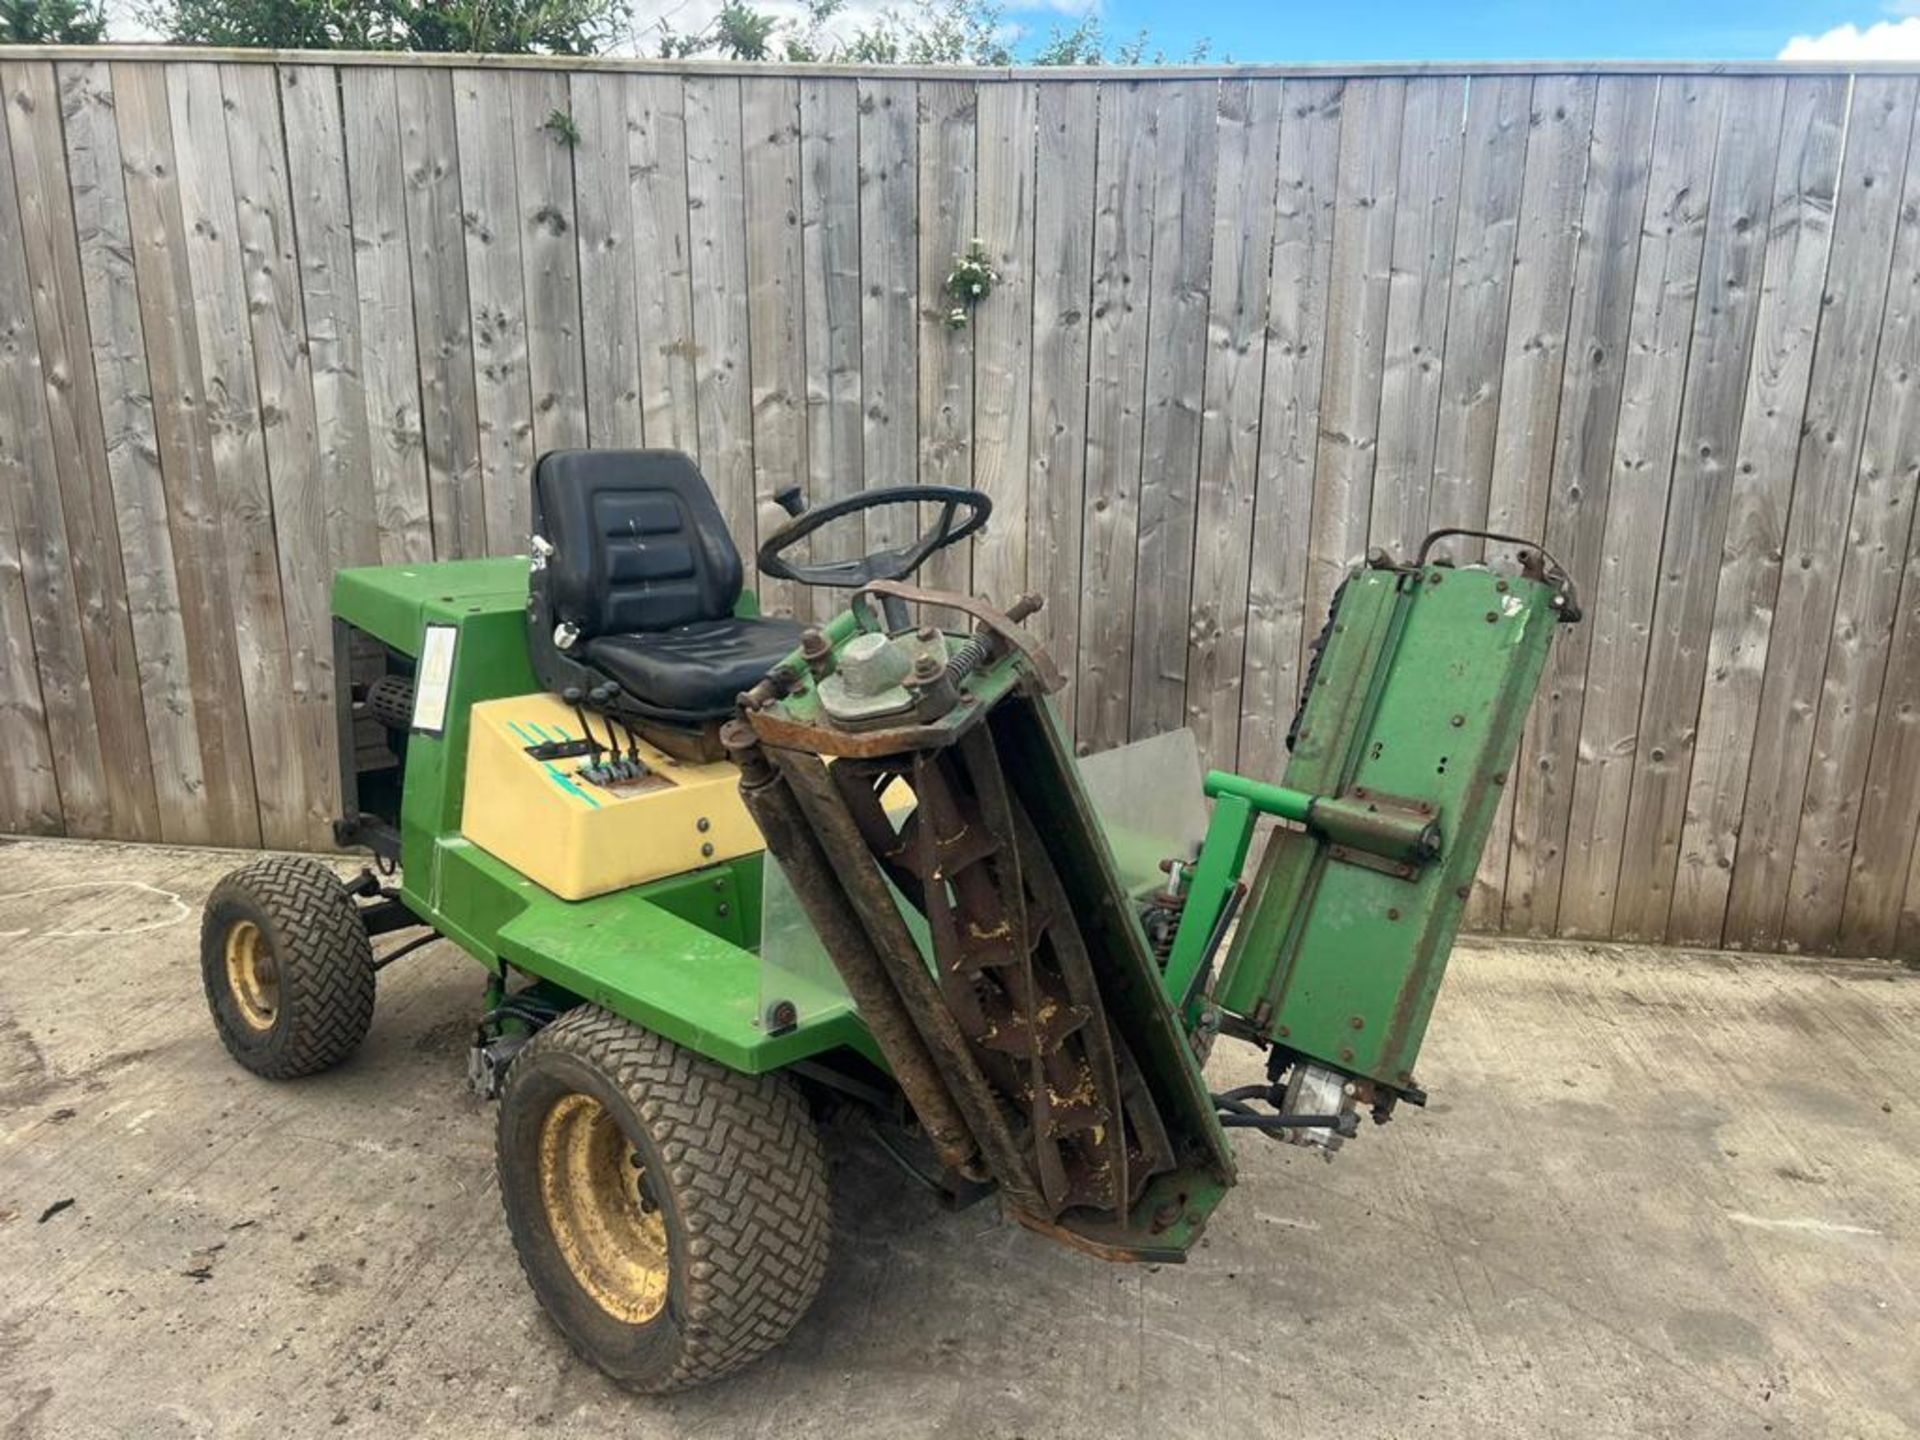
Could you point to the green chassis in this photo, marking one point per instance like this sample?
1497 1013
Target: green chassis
678 956
1412 717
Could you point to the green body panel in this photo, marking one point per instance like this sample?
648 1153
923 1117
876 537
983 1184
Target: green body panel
1419 699
392 602
678 955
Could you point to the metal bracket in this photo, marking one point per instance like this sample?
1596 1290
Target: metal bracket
1388 833
994 620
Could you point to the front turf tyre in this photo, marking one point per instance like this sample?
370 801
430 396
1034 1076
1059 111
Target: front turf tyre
671 1214
287 966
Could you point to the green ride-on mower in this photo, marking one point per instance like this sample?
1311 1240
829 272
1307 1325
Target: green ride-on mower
578 764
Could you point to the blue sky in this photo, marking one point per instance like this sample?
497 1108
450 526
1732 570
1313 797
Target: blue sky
1309 31
1316 30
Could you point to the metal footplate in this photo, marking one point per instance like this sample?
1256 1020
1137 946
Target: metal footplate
1029 1030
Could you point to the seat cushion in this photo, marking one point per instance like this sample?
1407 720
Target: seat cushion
638 541
696 669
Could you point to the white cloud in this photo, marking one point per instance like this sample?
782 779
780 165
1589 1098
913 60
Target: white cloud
1882 40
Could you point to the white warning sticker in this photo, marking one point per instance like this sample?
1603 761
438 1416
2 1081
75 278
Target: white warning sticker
433 679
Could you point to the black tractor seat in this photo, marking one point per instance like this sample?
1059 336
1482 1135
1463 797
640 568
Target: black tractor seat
694 669
634 587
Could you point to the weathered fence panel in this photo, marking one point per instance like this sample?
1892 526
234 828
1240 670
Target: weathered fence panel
262 316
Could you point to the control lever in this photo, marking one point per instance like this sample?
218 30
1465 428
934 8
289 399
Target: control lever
619 767
573 696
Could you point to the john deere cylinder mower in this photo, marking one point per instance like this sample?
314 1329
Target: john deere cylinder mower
728 874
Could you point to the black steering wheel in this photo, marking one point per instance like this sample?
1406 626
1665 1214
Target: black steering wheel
948 528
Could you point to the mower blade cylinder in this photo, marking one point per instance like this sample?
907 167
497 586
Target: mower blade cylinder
769 800
858 877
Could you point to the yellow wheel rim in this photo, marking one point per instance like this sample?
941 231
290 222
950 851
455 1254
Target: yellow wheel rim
601 1211
253 977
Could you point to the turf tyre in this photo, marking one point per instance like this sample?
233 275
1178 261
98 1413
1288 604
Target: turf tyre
322 957
736 1168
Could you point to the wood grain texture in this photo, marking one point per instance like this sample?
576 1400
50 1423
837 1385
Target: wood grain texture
1176 358
118 343
1613 204
228 809
243 497
389 357
889 295
442 323
659 171
1865 605
1126 172
1513 496
1815 537
330 296
1063 227
270 270
831 304
490 213
76 455
1884 842
1003 333
44 689
1500 160
1359 291
1799 239
1429 205
1312 118
1697 506
776 284
550 264
1248 177
948 139
717 208
1620 603
605 169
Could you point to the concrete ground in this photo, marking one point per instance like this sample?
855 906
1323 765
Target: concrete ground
1656 1194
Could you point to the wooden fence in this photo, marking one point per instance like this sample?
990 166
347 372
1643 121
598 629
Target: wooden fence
260 320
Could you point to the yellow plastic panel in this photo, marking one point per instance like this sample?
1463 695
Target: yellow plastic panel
579 839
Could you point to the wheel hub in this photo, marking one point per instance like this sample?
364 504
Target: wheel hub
601 1209
253 977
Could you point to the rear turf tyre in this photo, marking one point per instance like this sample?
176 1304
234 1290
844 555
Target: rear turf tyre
670 1214
287 966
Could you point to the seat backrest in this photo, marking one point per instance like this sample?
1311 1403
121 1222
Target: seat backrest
638 542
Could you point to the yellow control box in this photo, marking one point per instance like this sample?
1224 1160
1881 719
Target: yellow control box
578 838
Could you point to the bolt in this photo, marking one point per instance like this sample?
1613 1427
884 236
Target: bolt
813 642
926 634
1358 1022
703 824
1501 778
723 909
1458 721
1501 586
1393 912
1284 1031
1346 1054
1492 616
782 1015
1462 892
706 851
